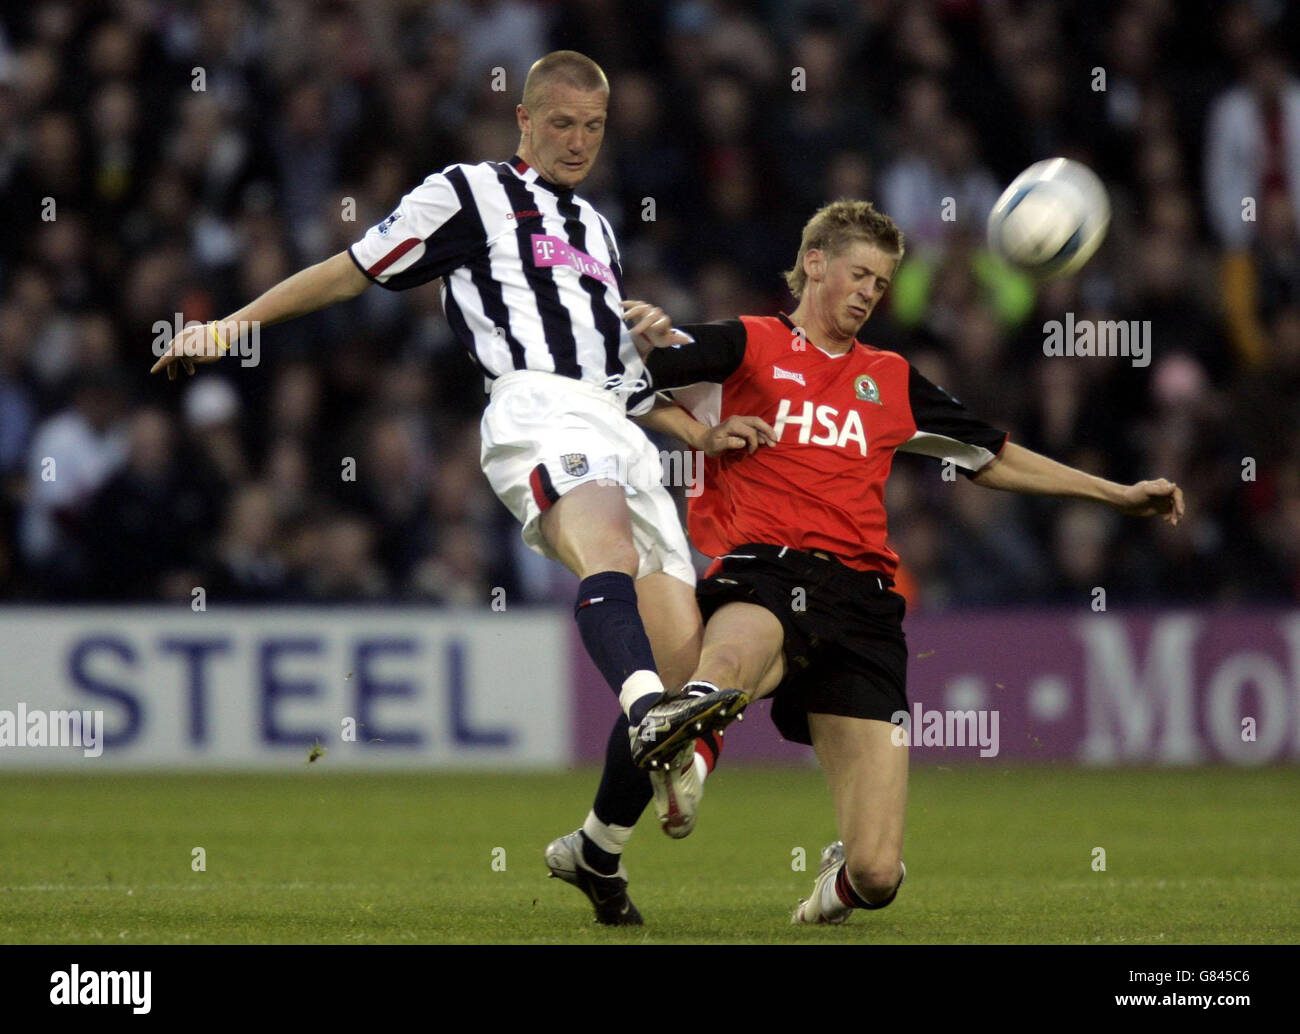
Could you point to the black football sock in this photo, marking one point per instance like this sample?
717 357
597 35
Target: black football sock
850 896
615 639
846 891
889 900
623 793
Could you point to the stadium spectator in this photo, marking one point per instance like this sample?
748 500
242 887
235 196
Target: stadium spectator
72 454
247 568
1252 147
147 517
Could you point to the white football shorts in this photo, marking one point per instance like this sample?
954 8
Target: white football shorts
544 434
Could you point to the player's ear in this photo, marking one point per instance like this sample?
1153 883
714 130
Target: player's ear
814 263
522 118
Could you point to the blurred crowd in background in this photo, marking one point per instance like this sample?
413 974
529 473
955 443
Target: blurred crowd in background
175 199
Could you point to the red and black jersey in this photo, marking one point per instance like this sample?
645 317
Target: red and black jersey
838 421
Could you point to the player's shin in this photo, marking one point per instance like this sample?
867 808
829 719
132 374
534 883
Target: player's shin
623 793
616 641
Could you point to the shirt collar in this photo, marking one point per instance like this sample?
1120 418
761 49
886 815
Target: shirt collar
531 175
829 355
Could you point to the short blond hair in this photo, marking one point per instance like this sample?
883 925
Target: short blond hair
834 227
562 66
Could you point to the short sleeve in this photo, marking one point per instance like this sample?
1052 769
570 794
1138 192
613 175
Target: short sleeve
946 430
433 229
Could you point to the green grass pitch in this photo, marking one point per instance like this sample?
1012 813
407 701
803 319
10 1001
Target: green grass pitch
995 855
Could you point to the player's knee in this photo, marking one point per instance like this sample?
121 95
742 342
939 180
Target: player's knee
620 555
608 553
723 664
875 879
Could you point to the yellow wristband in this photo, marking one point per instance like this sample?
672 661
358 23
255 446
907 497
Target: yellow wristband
222 346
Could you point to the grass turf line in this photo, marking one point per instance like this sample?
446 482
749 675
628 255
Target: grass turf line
995 855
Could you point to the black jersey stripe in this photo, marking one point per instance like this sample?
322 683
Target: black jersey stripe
946 430
494 306
615 262
456 320
637 397
557 326
480 271
449 246
607 323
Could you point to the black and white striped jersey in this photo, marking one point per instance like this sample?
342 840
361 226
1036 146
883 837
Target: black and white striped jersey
530 273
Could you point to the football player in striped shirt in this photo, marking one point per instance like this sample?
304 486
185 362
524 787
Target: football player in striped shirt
532 287
799 603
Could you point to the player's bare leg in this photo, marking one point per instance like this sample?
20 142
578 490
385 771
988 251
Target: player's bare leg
867 772
590 530
670 725
672 621
743 649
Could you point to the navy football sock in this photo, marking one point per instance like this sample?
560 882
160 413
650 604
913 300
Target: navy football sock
623 793
637 711
602 861
615 639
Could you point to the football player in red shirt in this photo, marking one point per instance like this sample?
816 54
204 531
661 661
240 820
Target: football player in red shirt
799 602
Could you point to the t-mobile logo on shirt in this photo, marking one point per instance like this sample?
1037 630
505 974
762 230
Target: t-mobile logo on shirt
554 251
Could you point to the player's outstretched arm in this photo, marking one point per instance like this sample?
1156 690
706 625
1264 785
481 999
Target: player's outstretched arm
335 280
736 432
1018 469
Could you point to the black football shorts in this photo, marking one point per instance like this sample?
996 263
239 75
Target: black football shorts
845 653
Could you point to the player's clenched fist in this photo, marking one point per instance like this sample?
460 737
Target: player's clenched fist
651 327
196 343
1148 498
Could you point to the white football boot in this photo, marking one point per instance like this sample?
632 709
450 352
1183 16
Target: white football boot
812 910
678 785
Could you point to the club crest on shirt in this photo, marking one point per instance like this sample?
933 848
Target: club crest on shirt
574 463
865 389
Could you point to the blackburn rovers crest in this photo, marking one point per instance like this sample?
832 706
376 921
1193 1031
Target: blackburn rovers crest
574 464
865 389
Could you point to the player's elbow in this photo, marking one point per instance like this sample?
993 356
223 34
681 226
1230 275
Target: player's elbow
346 279
988 475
